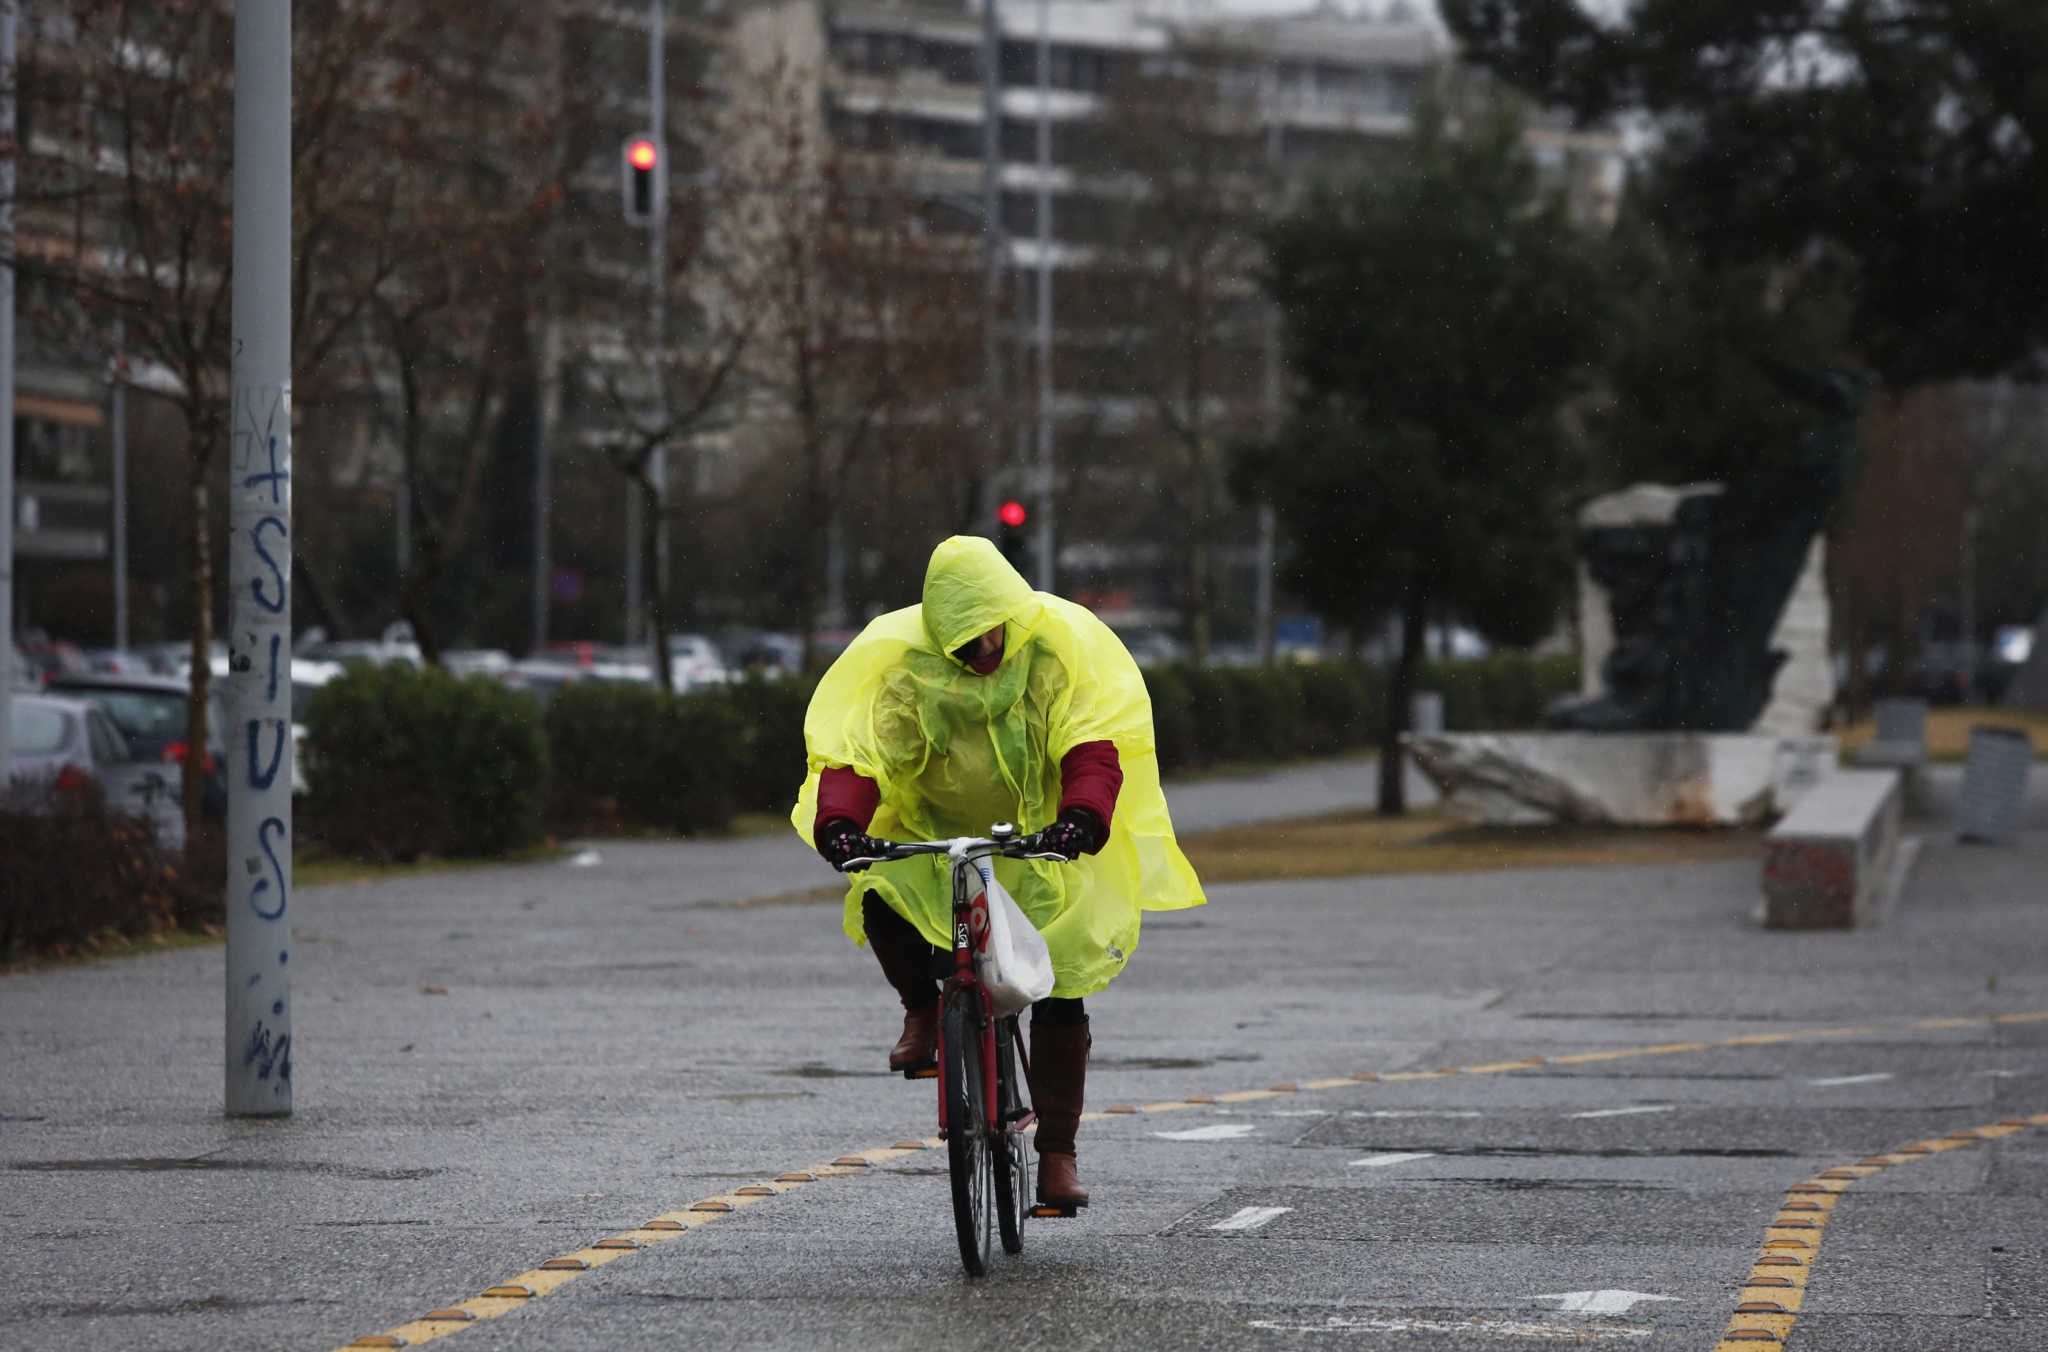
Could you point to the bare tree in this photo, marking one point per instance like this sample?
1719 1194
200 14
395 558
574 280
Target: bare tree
864 318
1179 149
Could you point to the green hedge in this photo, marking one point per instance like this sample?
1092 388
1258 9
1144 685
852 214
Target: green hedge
402 762
1507 690
630 756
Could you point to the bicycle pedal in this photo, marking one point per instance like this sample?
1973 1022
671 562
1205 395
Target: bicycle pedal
922 1073
1045 1212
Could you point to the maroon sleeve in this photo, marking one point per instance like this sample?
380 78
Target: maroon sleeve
1090 777
845 793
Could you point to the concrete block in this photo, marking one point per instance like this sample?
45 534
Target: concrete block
1827 861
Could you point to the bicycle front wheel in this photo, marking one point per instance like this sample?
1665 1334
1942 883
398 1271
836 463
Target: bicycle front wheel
967 1129
1011 1166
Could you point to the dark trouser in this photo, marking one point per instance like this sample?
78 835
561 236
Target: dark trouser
913 966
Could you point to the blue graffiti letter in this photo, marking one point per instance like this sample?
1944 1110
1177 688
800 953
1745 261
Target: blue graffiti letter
276 478
275 605
277 870
260 776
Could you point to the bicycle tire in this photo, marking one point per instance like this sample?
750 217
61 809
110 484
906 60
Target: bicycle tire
1011 1165
967 1137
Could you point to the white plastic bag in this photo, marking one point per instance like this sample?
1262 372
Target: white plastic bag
1012 960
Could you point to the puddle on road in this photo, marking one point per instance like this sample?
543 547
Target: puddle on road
1162 1062
148 1165
1610 1153
814 1070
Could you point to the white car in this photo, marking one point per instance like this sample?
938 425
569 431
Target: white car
694 662
61 745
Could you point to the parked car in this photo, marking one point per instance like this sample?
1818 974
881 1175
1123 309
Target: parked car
469 661
541 678
765 653
694 662
68 745
21 673
150 714
1153 647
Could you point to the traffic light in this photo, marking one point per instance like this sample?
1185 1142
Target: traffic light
1010 518
639 178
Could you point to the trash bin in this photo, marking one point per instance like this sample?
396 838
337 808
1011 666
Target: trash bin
1426 712
1994 785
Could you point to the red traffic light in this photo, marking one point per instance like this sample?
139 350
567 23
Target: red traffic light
1011 513
641 153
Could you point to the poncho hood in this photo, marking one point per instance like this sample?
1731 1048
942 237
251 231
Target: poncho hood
969 589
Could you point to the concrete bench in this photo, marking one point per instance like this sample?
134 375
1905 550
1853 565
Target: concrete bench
1828 859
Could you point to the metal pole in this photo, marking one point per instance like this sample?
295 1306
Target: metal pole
259 680
7 132
657 284
1044 545
1262 587
118 415
993 247
632 564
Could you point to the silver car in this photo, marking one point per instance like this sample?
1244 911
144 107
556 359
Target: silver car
63 744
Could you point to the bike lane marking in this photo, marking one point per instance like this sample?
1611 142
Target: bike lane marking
1775 1289
516 1292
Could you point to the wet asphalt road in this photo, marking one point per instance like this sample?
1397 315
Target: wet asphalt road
500 1067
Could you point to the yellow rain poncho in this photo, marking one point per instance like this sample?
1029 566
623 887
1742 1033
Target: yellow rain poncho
955 752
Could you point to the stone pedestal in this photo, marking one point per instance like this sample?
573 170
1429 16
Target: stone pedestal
1621 778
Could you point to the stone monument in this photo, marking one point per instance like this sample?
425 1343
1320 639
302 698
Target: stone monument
1711 687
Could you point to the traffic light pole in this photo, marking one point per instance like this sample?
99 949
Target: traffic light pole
993 249
657 288
1043 546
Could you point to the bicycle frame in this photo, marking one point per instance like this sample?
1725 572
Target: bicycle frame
985 1149
970 930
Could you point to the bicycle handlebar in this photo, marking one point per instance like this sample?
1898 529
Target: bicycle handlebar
961 847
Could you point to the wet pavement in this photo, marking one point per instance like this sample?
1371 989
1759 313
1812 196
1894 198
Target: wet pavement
1592 1094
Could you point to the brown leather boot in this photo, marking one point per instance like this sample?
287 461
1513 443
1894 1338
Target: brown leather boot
1059 1075
906 960
918 1048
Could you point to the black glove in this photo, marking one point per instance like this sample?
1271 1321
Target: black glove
1075 833
844 841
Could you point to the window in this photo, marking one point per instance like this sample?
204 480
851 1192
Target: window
39 730
107 746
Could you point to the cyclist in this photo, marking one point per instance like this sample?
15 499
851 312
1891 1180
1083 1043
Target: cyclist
993 702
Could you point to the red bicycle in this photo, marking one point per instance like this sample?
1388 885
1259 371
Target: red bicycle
983 1111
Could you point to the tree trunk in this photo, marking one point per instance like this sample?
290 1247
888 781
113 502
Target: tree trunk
192 778
655 586
1198 557
1400 691
306 586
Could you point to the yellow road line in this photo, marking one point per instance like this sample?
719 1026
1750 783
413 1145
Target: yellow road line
1775 1290
515 1292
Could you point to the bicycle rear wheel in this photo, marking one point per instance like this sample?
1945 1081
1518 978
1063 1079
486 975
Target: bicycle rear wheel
1012 1163
967 1130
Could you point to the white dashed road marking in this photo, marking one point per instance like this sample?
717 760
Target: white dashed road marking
1222 1131
1600 1302
1252 1217
1851 1079
1505 1329
1629 1112
1418 1112
1398 1157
